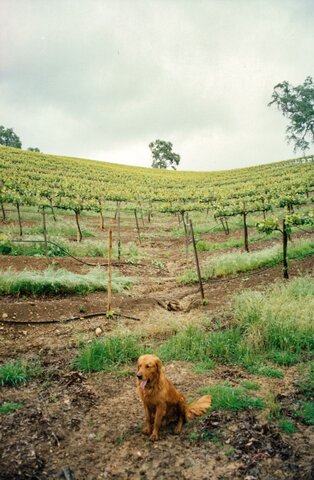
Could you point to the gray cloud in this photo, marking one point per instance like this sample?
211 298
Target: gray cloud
103 78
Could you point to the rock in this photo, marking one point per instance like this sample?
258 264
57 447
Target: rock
98 332
5 315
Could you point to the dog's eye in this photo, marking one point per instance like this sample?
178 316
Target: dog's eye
147 366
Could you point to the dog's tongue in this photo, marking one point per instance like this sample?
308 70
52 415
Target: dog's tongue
143 384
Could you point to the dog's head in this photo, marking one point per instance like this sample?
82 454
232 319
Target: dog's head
149 368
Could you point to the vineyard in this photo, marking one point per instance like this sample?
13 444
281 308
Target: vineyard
211 271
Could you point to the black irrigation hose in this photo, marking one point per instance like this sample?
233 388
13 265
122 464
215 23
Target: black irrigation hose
70 319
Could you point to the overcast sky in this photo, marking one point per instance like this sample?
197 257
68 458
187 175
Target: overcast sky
101 79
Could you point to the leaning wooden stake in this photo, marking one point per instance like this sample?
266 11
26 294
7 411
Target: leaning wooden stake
45 231
137 226
109 287
197 262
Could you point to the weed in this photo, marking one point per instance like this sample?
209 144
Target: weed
287 426
305 383
203 367
17 372
306 412
101 355
265 371
284 357
9 407
226 397
250 385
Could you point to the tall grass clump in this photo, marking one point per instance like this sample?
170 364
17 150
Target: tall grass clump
281 319
196 345
103 354
231 263
16 372
52 281
227 397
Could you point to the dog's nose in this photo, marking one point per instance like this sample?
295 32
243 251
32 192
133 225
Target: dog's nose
139 376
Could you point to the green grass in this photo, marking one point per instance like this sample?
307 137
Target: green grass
287 426
306 412
305 382
17 372
9 407
205 246
232 263
250 385
52 281
226 397
102 355
265 371
203 367
280 320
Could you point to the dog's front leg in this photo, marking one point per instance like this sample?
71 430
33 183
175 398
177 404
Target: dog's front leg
159 415
148 426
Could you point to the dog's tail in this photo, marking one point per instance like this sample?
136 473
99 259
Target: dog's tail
197 408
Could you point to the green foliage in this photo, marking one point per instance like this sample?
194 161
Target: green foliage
297 104
17 371
163 156
101 355
9 407
226 397
8 138
52 281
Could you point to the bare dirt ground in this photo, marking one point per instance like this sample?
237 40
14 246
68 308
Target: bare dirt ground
88 427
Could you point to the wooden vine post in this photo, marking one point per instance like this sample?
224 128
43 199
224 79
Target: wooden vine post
109 286
19 217
137 225
119 230
45 231
197 262
284 250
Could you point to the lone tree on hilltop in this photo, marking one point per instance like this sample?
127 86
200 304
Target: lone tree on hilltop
163 156
297 104
8 138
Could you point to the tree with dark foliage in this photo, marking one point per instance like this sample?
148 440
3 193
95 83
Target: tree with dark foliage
297 104
8 138
163 156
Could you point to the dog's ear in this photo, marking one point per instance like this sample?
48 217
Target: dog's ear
158 364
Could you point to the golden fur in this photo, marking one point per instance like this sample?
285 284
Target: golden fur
162 402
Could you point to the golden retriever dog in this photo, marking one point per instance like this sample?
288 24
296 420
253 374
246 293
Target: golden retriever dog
162 402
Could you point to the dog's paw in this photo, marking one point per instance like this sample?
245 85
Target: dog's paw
154 437
146 430
178 429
